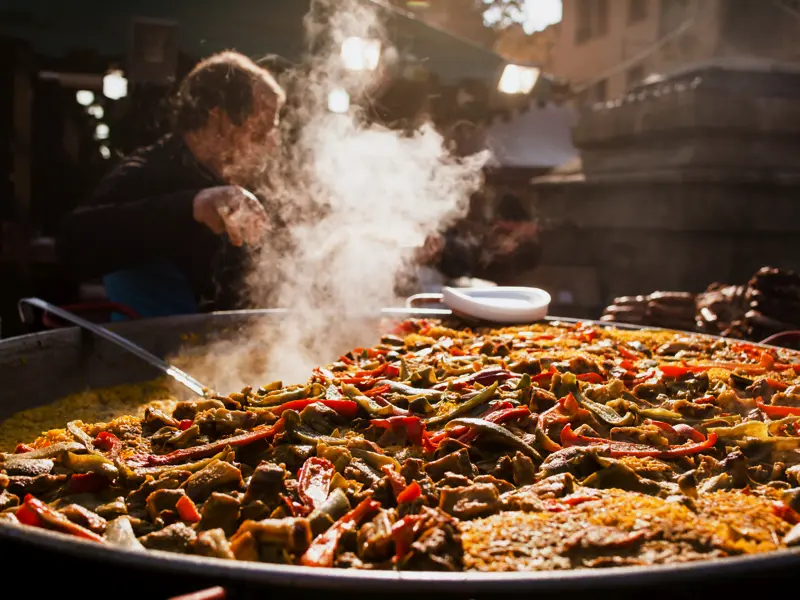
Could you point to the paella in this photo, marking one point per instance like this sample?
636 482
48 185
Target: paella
543 447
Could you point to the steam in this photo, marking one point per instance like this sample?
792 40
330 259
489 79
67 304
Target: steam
350 202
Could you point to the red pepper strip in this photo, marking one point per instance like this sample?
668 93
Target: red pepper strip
185 424
590 377
489 415
456 351
563 412
775 384
413 426
587 334
378 389
545 375
778 412
501 416
371 352
411 493
26 516
674 370
214 593
705 400
662 426
627 365
49 517
187 510
689 432
427 442
625 353
372 373
295 508
576 500
688 449
106 441
323 374
397 481
22 449
768 362
616 449
403 533
87 483
484 377
680 370
346 408
322 550
783 511
315 481
345 360
544 337
259 433
749 349
362 383
570 404
647 375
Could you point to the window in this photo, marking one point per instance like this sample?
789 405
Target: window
591 19
601 10
635 75
583 29
637 11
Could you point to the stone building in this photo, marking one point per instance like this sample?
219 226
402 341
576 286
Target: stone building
685 179
610 45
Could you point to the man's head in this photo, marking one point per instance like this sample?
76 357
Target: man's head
227 110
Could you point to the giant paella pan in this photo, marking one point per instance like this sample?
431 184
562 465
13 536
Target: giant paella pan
537 457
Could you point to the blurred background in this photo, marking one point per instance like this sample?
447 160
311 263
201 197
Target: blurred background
638 145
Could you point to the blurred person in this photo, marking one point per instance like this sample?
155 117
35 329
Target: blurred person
495 250
166 228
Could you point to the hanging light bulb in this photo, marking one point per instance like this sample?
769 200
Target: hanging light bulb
115 86
84 97
105 152
338 101
517 79
96 111
102 131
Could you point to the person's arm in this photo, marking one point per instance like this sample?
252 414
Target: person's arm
102 238
131 221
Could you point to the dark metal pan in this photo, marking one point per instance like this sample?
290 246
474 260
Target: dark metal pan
40 368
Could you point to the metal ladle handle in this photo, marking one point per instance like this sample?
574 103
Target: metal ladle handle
177 374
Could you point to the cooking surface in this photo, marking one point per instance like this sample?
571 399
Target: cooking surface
183 584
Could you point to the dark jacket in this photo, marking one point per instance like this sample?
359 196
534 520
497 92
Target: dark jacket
142 214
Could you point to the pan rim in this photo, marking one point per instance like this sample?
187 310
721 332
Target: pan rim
317 578
403 581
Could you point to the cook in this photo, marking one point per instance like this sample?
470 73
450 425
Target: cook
166 229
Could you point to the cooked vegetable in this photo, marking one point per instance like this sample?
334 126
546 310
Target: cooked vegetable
315 481
323 549
466 405
550 446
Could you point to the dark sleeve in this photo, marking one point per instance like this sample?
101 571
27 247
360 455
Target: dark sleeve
127 222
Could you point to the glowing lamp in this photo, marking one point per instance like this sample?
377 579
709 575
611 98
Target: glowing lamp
361 54
84 97
338 101
101 131
115 86
96 111
518 80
